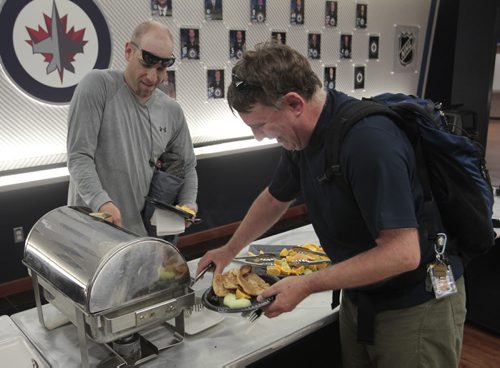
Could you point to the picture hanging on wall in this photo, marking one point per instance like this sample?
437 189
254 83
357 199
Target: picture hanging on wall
297 11
258 11
213 9
168 84
162 8
215 83
345 46
373 47
237 43
190 43
314 45
330 14
405 46
279 37
361 15
329 75
359 77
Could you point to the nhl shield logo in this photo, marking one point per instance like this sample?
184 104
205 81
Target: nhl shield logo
51 44
406 48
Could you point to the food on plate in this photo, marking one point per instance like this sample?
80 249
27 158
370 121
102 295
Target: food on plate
230 279
240 294
313 246
231 301
218 286
251 283
282 266
238 286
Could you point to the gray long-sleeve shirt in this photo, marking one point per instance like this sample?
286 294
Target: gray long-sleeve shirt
112 138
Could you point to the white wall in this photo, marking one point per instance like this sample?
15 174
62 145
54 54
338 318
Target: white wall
33 132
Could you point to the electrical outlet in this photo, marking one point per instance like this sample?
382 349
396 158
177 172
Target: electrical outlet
18 234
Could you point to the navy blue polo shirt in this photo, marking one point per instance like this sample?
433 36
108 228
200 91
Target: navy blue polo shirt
383 191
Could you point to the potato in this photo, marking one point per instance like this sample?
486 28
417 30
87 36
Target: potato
231 301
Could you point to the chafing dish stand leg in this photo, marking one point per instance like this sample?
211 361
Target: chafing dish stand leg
80 322
38 301
82 338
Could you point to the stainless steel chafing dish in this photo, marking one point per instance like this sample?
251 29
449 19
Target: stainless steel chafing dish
108 282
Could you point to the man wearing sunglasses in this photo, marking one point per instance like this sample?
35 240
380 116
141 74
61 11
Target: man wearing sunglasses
369 227
119 124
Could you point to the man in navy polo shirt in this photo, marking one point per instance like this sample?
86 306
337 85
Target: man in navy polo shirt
369 228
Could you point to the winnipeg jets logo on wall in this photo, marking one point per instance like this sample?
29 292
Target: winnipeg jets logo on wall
59 47
51 44
405 48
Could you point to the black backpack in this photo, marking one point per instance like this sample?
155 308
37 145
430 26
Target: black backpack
451 168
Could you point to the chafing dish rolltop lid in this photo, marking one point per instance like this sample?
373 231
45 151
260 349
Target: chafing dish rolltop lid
121 283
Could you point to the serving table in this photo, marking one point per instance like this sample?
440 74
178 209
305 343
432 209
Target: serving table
222 340
15 349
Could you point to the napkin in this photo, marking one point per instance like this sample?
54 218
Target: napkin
167 222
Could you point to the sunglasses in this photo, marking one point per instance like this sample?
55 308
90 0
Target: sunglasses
150 59
241 84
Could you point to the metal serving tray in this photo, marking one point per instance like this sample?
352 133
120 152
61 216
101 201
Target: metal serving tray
109 282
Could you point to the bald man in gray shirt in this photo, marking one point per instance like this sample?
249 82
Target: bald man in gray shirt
119 124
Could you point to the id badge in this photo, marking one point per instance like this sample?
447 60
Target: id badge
443 282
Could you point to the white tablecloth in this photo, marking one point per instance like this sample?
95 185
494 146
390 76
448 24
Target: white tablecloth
232 342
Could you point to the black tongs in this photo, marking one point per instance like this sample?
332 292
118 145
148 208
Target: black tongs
267 259
202 272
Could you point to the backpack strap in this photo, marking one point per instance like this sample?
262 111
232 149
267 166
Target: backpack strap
406 121
347 116
350 113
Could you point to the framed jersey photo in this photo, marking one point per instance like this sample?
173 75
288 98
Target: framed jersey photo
330 14
215 83
329 77
258 11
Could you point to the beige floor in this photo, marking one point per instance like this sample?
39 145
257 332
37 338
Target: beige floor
495 105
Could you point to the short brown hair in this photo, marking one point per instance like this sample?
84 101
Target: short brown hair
267 73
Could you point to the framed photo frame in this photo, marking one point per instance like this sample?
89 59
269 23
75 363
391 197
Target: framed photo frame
162 8
278 36
329 77
213 9
373 46
237 43
258 11
331 13
361 15
297 11
359 77
190 43
215 83
345 46
314 46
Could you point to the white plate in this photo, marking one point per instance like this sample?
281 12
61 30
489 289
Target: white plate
15 352
200 321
